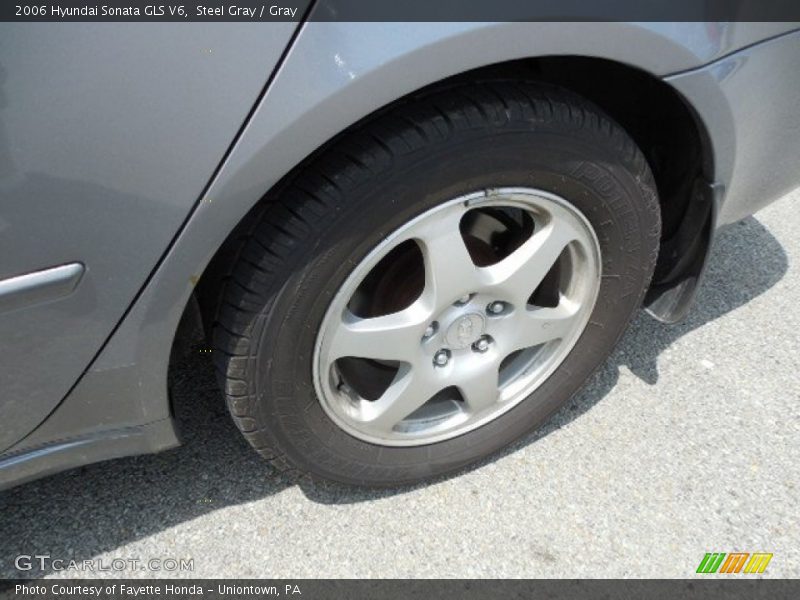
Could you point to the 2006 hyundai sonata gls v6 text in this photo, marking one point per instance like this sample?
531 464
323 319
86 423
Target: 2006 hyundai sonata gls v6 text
405 244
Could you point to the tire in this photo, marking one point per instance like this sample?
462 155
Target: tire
320 223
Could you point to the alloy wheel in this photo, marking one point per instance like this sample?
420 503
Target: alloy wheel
457 317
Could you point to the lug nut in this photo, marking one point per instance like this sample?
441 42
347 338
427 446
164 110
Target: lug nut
495 308
441 358
482 345
463 300
430 330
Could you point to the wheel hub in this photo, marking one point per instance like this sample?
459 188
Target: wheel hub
465 330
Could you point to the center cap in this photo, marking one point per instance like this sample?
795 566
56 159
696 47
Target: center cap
465 330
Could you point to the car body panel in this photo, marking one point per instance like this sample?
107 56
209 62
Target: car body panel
328 82
748 104
103 153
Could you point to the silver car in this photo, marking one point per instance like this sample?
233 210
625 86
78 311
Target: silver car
403 245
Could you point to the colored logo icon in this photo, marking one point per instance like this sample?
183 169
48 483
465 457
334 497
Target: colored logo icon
734 562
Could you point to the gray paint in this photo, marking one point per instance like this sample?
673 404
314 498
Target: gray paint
749 105
337 73
112 443
108 134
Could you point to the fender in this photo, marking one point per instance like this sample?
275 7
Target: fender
334 75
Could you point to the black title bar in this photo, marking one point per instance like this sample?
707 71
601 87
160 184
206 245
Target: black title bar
352 589
400 10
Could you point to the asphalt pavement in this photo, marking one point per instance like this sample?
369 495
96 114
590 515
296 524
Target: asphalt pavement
686 442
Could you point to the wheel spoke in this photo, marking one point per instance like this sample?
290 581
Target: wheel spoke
531 327
449 270
390 337
480 387
411 388
520 273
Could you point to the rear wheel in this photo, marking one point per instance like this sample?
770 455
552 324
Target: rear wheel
436 284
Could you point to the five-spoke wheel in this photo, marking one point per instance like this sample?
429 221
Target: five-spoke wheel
498 287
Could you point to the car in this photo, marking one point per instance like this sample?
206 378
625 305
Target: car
404 245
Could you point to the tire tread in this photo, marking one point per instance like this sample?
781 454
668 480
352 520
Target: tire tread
297 211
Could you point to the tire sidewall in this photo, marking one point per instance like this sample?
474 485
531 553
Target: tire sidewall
589 175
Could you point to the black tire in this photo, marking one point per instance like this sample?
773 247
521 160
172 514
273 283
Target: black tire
323 219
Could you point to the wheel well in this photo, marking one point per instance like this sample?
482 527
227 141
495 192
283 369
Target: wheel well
662 124
675 143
